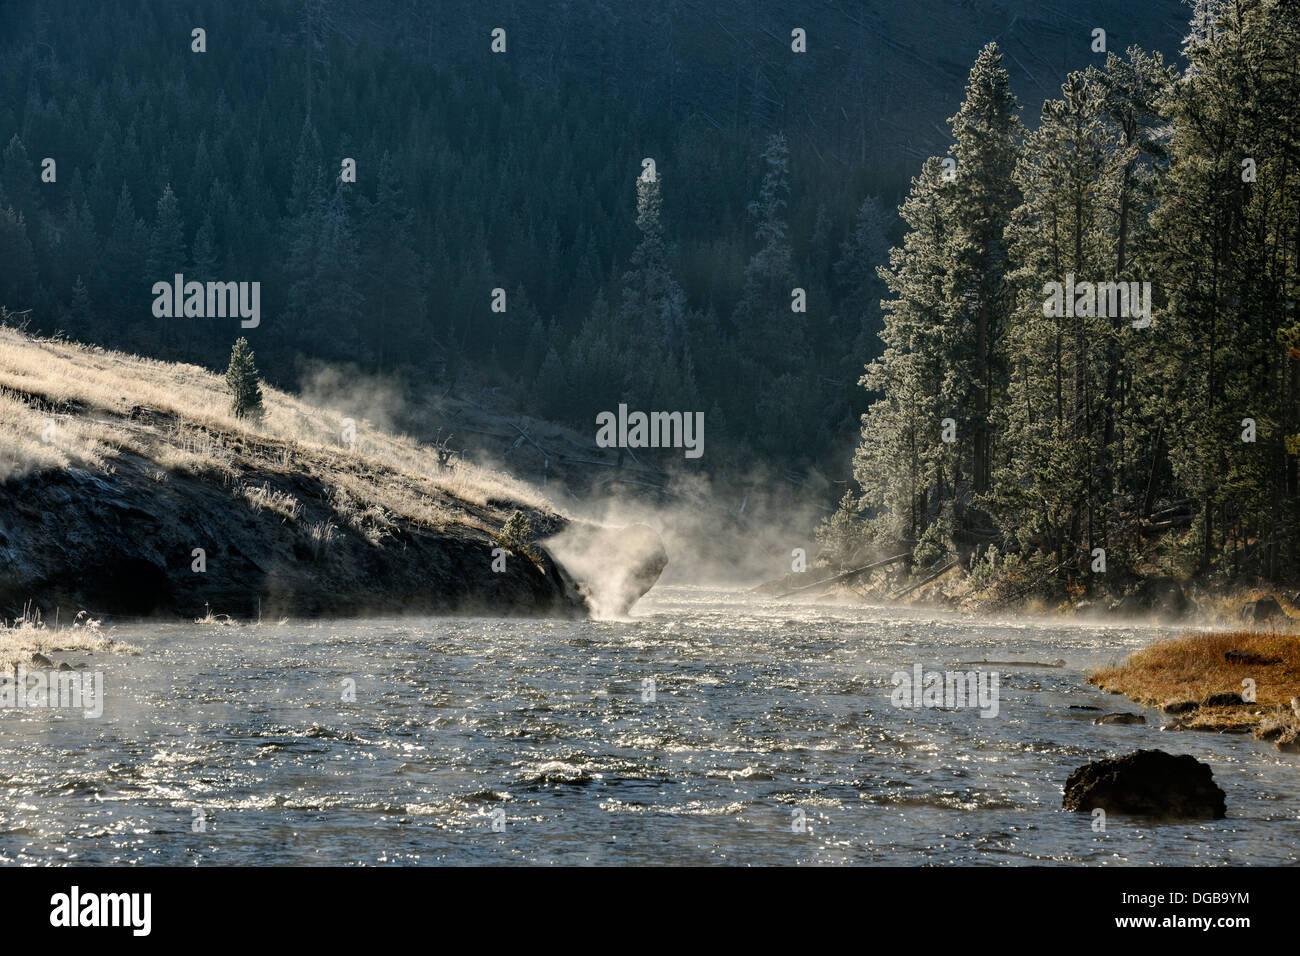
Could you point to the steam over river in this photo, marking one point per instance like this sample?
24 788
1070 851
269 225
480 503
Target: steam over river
233 745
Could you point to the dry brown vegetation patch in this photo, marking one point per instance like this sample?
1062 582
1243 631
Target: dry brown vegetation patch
1196 667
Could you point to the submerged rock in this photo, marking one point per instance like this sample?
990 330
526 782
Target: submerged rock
1120 719
1146 783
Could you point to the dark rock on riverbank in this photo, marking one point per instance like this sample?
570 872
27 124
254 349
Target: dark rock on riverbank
1207 727
1155 595
1265 609
1223 700
1146 783
1283 733
1253 660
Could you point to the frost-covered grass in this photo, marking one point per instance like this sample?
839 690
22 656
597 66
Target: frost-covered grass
68 405
28 635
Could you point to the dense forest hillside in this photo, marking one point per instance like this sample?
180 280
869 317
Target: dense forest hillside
1092 354
515 171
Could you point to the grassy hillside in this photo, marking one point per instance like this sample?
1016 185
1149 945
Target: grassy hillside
114 469
105 404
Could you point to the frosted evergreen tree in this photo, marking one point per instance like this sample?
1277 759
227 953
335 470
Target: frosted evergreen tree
986 132
242 381
653 308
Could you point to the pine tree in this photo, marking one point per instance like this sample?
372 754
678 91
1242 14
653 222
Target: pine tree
242 380
1053 423
772 337
651 320
986 133
203 258
21 180
1133 90
81 312
18 276
167 238
864 250
902 467
122 281
392 268
325 301
943 324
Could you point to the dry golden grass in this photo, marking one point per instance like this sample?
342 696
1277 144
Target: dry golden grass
177 416
29 635
1194 667
268 499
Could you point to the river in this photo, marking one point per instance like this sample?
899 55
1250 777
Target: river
710 728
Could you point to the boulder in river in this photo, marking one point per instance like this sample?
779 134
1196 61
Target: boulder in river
1120 719
1146 783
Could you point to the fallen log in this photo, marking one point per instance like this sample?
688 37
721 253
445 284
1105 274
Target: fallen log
908 590
1151 527
846 575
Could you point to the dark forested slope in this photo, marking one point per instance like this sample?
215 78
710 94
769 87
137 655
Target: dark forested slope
479 171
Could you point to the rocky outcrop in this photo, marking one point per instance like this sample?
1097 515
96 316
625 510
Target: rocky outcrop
1147 783
146 496
128 544
124 544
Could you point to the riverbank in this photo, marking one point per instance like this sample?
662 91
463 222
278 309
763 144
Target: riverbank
130 489
1152 597
29 641
1228 681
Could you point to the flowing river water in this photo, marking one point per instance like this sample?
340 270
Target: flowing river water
710 727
